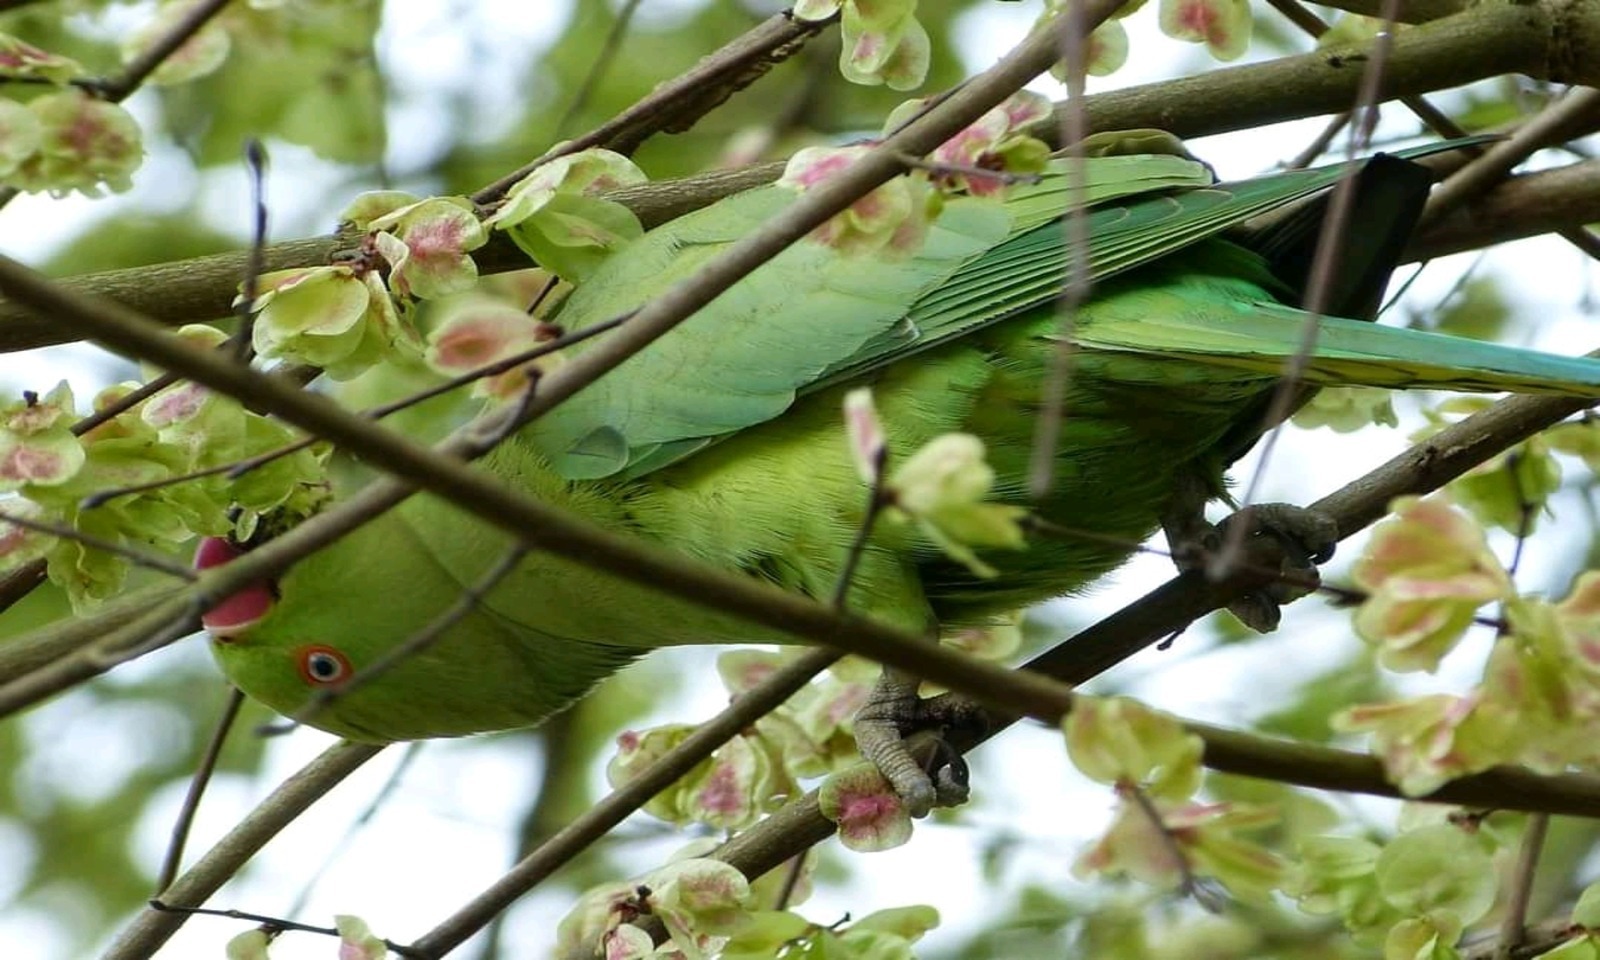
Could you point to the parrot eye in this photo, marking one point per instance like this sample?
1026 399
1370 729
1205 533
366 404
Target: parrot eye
320 666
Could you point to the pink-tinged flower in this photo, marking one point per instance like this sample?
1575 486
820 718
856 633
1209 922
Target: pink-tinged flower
1579 614
556 216
1543 678
744 669
905 924
20 546
1135 846
731 792
339 318
825 711
1423 938
882 41
864 431
1336 875
475 332
638 749
870 815
37 446
1426 742
1347 409
1222 25
211 427
792 754
996 640
1191 840
697 899
372 204
19 60
627 942
21 134
598 911
426 244
1207 833
356 939
1120 741
1581 438
1510 489
995 141
1427 569
250 945
893 219
1441 877
1108 51
200 55
85 144
1353 28
942 488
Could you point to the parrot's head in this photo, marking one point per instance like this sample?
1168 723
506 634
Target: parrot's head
342 613
256 645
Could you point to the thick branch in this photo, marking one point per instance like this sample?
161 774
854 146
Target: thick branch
1408 11
1524 206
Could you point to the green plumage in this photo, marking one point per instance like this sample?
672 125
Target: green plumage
724 439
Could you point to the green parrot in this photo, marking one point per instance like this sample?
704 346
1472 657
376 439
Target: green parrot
724 439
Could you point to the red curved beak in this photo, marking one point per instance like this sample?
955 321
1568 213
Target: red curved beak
236 612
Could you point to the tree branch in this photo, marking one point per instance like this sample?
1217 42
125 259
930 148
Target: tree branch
294 796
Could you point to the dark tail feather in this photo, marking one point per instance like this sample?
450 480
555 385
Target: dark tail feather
1389 195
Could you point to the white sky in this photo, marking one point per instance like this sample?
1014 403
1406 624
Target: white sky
446 833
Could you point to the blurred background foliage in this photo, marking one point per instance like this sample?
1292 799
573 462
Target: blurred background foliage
444 97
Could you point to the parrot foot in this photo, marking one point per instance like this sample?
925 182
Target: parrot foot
1306 538
903 736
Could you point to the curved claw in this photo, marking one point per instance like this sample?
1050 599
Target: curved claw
1307 537
892 714
952 778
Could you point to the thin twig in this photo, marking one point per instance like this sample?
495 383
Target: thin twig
197 788
597 70
152 57
124 403
1319 144
468 600
1513 925
1076 25
255 158
336 851
272 925
239 468
1578 110
1188 884
142 558
142 938
731 67
1319 284
1441 124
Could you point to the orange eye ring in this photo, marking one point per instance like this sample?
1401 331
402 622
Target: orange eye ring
322 666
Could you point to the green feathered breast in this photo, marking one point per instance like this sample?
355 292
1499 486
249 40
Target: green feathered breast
724 440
